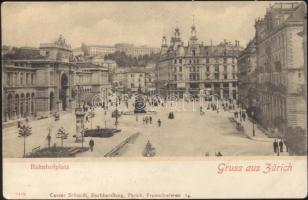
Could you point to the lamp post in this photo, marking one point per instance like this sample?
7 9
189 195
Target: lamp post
240 106
79 112
253 123
116 111
82 135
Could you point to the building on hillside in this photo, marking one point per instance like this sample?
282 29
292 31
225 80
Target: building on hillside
196 68
40 87
247 75
129 49
100 50
78 52
280 67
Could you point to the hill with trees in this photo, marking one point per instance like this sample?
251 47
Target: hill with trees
124 60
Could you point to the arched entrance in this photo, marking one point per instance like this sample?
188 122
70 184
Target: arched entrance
27 104
17 105
32 103
63 91
22 103
51 101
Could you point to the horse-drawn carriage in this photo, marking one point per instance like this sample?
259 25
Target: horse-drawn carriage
57 116
239 127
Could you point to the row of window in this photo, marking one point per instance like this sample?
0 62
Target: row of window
133 75
196 77
198 61
20 78
196 68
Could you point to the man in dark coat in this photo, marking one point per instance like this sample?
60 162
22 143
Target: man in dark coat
275 145
281 146
91 144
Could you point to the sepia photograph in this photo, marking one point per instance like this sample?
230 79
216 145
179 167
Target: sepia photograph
153 80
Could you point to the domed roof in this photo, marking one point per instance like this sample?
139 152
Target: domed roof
180 51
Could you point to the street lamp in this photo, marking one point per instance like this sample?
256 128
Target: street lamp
79 113
253 124
116 111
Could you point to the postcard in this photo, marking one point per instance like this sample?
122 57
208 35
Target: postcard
154 100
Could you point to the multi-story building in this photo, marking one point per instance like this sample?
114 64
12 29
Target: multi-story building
100 50
197 68
247 75
130 79
78 52
93 77
150 78
119 80
135 79
129 49
39 87
280 67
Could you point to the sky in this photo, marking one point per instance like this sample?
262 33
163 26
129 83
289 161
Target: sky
140 23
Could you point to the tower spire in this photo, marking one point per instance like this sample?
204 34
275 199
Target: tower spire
193 19
193 37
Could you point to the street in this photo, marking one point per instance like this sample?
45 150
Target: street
189 134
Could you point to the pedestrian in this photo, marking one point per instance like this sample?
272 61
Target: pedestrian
91 144
146 120
243 116
87 118
150 118
159 122
143 119
48 138
281 145
285 143
275 145
136 118
218 154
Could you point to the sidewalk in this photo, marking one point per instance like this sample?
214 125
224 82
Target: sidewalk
259 134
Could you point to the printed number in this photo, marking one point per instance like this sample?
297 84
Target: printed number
20 193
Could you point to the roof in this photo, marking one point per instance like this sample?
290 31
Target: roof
299 14
90 65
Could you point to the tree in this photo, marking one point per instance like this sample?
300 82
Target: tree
124 60
24 131
91 115
61 133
